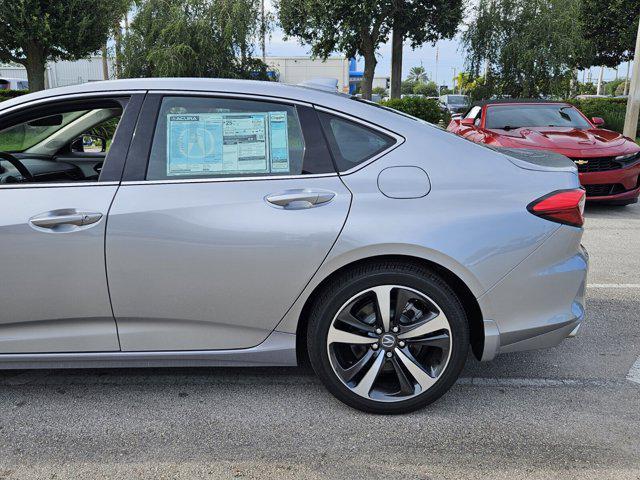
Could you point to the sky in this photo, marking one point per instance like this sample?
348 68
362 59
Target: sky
450 57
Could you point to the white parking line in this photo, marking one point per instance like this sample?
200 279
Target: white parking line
613 285
634 373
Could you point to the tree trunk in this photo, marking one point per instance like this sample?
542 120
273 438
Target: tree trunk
105 63
369 70
118 44
396 63
35 65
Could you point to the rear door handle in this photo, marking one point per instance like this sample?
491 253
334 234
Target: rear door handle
57 218
300 198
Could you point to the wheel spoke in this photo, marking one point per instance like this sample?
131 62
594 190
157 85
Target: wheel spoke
366 384
349 373
406 386
383 301
438 341
423 378
402 298
349 319
340 336
424 327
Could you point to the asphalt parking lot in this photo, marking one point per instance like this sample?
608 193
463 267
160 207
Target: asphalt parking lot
571 412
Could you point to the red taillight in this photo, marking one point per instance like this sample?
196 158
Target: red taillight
562 206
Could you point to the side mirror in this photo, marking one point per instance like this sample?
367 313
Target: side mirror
469 122
89 143
597 121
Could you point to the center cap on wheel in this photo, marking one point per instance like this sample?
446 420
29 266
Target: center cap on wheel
388 341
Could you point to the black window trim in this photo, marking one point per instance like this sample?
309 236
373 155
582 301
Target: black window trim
399 139
139 154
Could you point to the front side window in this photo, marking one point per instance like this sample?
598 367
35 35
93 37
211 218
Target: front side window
198 137
508 117
352 143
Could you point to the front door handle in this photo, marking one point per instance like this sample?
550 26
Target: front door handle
65 219
300 198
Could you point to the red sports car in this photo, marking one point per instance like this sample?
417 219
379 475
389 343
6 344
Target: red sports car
608 162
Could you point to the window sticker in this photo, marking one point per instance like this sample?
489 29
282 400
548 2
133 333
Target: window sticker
227 143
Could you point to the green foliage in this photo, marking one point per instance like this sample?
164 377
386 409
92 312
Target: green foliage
379 91
7 94
610 27
353 27
407 86
36 31
586 89
426 109
612 110
530 46
428 89
611 87
417 74
194 38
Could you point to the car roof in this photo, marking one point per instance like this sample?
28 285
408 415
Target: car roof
274 89
511 101
335 101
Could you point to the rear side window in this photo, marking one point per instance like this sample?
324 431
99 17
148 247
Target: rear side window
200 137
352 143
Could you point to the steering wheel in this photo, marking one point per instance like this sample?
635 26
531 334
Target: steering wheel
24 171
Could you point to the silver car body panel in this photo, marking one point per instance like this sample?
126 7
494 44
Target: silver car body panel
53 291
279 349
196 266
176 248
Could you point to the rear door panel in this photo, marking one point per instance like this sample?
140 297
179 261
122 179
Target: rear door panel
213 265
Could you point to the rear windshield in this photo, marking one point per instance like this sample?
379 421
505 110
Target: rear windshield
515 116
458 99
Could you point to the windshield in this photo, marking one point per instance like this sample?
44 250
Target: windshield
457 99
22 136
507 117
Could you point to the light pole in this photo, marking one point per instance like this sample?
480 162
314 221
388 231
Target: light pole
633 102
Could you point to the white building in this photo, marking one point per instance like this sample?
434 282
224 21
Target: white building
289 70
296 70
62 74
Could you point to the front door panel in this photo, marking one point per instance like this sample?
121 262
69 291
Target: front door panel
53 286
215 265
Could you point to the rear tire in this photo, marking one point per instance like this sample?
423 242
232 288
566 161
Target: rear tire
401 360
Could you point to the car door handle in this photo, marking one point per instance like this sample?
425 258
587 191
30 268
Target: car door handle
300 198
56 218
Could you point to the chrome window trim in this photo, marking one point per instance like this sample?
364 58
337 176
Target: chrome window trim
398 138
58 185
69 96
226 179
240 96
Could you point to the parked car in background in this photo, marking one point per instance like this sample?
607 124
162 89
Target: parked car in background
13 84
256 223
456 103
608 162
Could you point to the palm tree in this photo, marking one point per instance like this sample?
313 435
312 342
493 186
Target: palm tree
417 74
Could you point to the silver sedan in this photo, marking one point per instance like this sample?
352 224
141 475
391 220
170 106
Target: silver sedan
172 222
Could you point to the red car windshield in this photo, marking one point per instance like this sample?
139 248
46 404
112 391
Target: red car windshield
508 117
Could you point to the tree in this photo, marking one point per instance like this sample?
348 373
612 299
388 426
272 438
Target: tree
505 39
379 91
34 32
428 89
420 22
611 27
407 86
417 74
353 27
194 38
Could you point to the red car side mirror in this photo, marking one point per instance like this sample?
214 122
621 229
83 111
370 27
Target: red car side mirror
597 121
469 122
